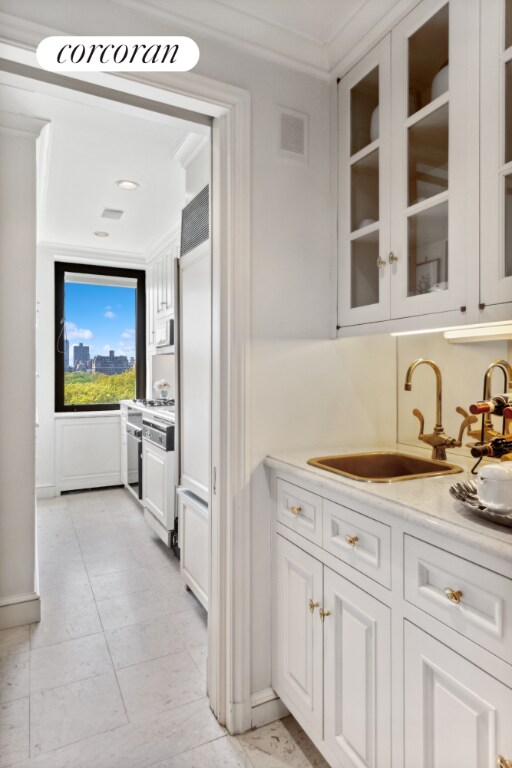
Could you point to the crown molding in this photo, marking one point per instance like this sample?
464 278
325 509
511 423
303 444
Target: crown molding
189 148
163 240
88 255
280 46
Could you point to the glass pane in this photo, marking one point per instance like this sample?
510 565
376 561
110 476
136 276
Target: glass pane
364 113
508 226
364 289
364 191
508 107
508 23
428 156
98 341
428 61
428 251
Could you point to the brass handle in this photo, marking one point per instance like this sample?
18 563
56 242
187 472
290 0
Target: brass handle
453 595
312 605
323 614
351 540
501 762
381 263
296 510
393 258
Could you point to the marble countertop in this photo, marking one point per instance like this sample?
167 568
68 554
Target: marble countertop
166 413
426 501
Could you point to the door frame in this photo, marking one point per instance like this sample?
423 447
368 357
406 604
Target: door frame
229 108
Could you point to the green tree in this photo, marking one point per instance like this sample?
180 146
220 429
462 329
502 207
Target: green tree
83 388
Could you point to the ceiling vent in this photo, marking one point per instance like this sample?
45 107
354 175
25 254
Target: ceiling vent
111 213
293 139
195 221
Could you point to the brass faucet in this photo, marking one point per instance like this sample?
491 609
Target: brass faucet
487 432
438 439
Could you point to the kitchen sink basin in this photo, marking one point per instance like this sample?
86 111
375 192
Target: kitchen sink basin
383 467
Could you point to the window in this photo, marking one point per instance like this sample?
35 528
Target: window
100 355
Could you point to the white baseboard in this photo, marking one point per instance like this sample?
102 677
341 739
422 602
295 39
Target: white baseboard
46 492
266 707
19 609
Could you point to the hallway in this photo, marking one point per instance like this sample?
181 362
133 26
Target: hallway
115 674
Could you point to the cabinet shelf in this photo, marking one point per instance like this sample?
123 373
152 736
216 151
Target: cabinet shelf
424 112
367 150
371 229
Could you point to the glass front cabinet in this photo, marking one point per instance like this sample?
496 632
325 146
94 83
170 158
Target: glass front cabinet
409 173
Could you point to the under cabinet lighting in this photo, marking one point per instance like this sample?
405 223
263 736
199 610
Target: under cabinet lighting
99 233
422 330
487 332
127 185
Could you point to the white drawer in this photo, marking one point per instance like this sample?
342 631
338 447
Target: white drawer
359 540
300 510
483 610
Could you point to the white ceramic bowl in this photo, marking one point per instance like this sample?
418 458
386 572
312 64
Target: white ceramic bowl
366 223
374 125
494 487
440 82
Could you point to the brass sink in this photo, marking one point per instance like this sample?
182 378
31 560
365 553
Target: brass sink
383 467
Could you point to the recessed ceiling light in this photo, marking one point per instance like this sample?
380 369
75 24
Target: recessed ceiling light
99 233
127 185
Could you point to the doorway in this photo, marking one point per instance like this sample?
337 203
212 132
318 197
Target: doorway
228 677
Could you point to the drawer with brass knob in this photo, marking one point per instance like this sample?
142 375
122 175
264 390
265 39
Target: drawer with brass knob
473 600
358 540
299 510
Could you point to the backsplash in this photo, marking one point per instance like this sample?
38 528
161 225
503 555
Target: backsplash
462 366
162 367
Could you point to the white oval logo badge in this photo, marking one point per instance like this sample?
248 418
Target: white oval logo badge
117 54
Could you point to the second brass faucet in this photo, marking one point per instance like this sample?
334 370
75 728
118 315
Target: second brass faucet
438 439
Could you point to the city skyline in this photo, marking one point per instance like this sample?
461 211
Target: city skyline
102 317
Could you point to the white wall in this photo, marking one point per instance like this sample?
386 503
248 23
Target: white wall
198 172
19 602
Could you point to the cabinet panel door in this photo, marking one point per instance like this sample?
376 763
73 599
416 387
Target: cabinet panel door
298 657
434 183
496 153
455 714
364 108
158 483
357 676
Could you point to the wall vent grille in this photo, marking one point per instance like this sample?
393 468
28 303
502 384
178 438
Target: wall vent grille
195 221
293 135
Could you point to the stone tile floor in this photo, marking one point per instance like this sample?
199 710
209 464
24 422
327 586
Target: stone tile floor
114 674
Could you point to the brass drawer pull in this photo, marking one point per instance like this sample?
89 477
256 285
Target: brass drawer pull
501 762
351 540
453 595
393 258
381 263
312 605
296 510
323 614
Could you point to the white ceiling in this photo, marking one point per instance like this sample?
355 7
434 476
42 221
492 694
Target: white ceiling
89 148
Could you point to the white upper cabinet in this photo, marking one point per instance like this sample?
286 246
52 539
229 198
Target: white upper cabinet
408 165
496 157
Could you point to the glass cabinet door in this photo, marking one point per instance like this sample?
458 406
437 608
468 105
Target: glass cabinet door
429 174
364 104
496 160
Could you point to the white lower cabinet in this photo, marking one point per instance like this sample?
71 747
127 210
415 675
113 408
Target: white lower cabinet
357 675
158 484
332 658
455 713
355 614
298 658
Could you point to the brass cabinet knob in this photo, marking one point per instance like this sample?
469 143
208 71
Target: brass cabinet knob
381 263
323 614
453 595
296 510
351 540
312 605
393 258
501 762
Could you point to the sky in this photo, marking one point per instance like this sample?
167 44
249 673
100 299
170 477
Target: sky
102 317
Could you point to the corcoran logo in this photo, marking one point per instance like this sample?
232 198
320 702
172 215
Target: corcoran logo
117 54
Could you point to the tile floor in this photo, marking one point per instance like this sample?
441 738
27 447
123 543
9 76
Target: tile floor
114 674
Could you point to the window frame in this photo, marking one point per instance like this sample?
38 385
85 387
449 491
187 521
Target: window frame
139 275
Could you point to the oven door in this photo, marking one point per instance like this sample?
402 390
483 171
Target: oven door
134 451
